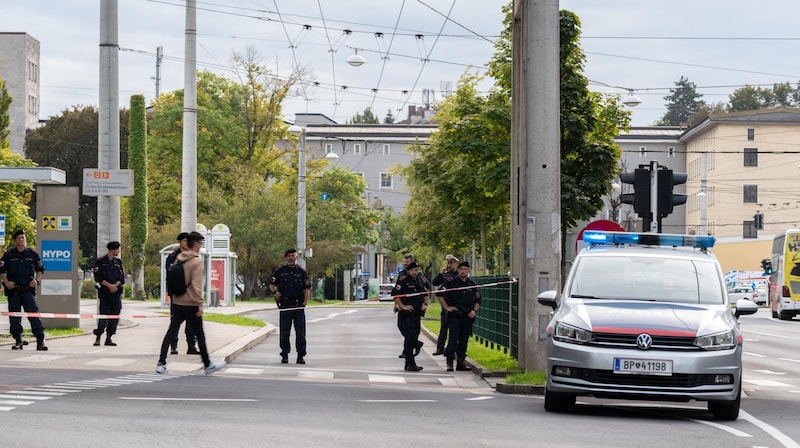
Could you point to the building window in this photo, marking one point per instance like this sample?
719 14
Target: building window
328 148
33 105
750 193
357 149
751 134
748 230
643 151
386 180
33 72
387 149
750 157
671 151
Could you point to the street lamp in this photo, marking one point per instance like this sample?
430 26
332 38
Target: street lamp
301 192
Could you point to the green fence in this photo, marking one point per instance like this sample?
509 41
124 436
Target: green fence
496 323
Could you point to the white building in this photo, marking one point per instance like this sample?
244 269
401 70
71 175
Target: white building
19 68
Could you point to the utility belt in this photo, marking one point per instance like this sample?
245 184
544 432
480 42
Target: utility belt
20 287
287 302
459 315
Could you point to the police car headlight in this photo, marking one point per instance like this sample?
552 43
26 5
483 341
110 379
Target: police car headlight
570 334
719 341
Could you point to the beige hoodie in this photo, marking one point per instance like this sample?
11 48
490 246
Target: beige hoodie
195 278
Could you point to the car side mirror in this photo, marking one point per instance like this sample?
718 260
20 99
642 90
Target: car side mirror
745 307
548 298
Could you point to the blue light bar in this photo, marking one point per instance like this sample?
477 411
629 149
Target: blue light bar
593 237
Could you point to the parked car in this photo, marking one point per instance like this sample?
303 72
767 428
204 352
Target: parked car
645 317
740 292
760 295
385 292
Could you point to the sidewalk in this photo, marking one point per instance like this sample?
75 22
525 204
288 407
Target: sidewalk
139 335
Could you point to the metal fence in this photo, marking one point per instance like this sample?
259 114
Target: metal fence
496 323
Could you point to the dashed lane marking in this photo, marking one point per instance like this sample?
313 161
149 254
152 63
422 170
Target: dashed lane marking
387 379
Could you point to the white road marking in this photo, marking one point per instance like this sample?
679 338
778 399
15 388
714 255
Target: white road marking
36 393
16 402
770 372
755 354
244 371
54 389
386 379
478 398
6 408
448 382
39 358
771 430
789 359
397 401
110 362
767 383
315 374
733 431
22 397
773 335
235 400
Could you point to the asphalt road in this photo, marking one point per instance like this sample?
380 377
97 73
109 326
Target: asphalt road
353 392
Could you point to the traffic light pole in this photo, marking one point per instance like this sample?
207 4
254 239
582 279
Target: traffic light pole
655 220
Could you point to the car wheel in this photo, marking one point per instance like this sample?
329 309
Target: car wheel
726 410
554 402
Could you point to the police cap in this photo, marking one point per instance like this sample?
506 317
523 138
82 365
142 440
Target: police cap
412 265
290 250
112 245
18 233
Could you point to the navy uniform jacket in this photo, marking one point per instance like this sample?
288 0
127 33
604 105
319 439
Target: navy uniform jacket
408 285
291 282
444 277
463 299
110 271
21 267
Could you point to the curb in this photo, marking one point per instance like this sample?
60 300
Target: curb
519 389
244 343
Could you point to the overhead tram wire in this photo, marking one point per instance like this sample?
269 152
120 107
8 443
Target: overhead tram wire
386 57
333 58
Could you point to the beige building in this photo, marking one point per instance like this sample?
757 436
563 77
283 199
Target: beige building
740 164
19 67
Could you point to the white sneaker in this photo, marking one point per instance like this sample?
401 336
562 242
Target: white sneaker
161 368
214 366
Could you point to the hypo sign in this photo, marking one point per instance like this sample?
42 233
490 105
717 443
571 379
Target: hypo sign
57 255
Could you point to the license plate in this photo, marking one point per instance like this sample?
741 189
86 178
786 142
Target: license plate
643 366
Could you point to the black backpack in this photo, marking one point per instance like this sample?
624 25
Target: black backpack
176 280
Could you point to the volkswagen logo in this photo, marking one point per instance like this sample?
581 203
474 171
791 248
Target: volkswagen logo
644 341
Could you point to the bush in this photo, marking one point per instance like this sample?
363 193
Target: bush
88 289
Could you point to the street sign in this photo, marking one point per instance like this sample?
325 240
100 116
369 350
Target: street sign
2 226
98 182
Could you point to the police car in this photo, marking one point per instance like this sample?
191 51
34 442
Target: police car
646 317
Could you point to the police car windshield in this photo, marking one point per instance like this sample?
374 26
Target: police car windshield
647 278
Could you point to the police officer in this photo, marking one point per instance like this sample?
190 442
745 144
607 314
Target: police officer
110 276
448 273
461 299
21 270
291 285
411 301
408 258
191 338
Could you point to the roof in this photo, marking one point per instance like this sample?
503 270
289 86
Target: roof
777 116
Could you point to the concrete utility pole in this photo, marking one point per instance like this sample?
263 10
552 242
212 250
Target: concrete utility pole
108 228
159 59
189 176
536 170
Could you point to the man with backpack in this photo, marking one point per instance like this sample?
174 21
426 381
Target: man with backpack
191 339
187 302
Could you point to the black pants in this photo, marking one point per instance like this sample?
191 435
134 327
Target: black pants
109 304
21 298
191 339
443 329
410 328
295 315
181 313
460 328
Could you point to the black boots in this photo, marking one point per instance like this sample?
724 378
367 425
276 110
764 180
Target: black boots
17 345
192 350
108 341
461 367
40 344
417 348
97 337
411 366
449 364
300 360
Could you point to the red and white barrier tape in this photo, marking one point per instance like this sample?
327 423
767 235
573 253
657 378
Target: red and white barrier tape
75 316
442 290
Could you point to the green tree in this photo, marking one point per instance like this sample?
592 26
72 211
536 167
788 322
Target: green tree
747 98
366 118
5 118
14 198
69 142
137 204
682 103
389 118
707 110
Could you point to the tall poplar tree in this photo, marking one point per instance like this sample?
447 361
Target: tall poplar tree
137 204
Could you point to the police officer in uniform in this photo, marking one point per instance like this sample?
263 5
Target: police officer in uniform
291 285
110 276
448 273
411 301
21 270
461 299
191 338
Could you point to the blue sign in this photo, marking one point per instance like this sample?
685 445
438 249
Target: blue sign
324 196
56 255
365 273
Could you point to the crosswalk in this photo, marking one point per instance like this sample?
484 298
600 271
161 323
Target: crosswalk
14 398
465 380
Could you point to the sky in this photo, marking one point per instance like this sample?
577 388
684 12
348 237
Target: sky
410 46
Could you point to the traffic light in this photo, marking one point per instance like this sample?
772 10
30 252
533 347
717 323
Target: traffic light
640 198
766 265
758 221
667 200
